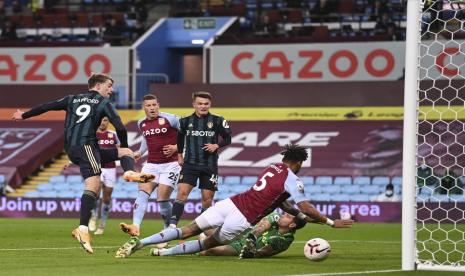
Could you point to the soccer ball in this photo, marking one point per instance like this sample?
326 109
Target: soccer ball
317 249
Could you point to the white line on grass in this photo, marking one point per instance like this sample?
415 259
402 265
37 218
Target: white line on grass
351 272
51 248
359 241
103 247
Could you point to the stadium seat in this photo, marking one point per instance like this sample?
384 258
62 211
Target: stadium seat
321 197
396 181
59 187
57 179
307 180
332 189
380 180
120 194
78 187
362 180
249 180
457 198
66 194
324 180
340 197
232 180
350 189
74 178
313 190
439 198
360 197
342 180
49 194
370 190
45 187
31 194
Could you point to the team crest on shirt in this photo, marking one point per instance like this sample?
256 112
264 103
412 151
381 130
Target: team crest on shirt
190 125
210 124
161 121
110 135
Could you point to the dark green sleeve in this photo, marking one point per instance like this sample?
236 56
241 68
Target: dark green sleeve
279 243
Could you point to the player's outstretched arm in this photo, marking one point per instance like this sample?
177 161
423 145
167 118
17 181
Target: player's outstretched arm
309 210
18 115
37 110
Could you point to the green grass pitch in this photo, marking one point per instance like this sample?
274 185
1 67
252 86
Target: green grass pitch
45 247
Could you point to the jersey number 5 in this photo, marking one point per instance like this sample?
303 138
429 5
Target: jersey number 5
82 111
263 182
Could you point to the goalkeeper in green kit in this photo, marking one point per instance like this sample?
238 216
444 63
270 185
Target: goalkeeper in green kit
275 233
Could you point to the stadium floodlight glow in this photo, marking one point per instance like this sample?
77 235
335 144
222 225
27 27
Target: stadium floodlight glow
434 153
197 41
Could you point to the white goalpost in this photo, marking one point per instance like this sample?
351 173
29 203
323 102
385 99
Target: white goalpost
433 207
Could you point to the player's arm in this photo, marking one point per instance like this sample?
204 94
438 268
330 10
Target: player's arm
225 132
60 104
142 149
180 142
115 120
266 251
261 227
308 212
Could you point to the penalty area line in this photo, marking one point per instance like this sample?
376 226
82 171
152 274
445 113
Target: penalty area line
350 272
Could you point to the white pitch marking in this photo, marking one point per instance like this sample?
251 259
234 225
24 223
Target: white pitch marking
359 241
51 248
350 272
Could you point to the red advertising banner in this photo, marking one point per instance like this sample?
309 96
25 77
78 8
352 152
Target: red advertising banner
25 146
348 148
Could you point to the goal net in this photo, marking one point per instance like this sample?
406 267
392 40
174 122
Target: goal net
434 182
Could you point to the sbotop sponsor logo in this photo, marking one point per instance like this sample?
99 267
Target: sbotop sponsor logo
15 140
200 133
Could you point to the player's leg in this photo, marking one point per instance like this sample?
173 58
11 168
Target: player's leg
208 186
226 216
167 182
109 180
126 157
213 217
141 203
104 209
88 159
223 250
188 180
95 212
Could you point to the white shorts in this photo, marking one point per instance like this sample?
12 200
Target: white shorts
108 177
165 174
225 215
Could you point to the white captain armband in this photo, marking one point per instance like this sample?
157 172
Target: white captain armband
301 216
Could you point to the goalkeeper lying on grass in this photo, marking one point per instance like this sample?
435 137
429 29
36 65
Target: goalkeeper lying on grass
274 233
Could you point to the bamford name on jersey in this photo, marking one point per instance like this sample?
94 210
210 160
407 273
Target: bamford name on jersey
86 100
200 133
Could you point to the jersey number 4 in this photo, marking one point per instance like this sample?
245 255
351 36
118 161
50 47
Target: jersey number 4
262 180
82 111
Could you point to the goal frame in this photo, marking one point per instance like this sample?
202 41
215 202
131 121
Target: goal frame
410 144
